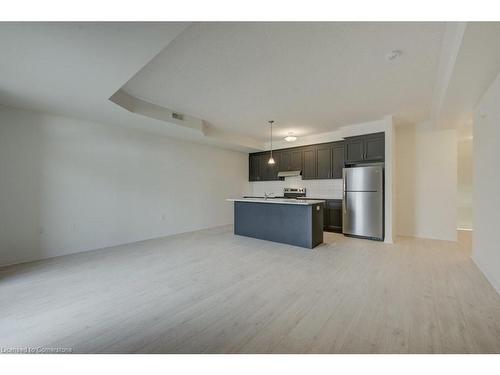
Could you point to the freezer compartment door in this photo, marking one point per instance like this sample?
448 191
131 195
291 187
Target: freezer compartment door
363 178
363 214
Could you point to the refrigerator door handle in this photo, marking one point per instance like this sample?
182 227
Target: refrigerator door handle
344 180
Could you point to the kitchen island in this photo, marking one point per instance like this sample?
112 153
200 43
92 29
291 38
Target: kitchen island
292 221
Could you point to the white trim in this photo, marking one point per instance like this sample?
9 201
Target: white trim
193 124
450 46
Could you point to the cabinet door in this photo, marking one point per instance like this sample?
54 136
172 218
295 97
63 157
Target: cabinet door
254 167
334 216
325 217
337 159
309 171
374 146
275 168
354 150
269 172
296 159
285 161
324 162
264 167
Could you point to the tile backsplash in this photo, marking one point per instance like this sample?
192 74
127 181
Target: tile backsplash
324 189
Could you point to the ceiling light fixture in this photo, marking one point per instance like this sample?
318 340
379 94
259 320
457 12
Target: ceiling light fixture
271 160
290 137
393 55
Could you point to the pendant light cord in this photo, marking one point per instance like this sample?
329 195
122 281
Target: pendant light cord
271 160
271 122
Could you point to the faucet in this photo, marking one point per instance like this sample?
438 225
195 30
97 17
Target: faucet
268 195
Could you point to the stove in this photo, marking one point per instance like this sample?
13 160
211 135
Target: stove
294 192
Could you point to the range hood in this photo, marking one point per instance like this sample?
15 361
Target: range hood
289 174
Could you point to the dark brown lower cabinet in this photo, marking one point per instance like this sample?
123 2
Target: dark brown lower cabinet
333 216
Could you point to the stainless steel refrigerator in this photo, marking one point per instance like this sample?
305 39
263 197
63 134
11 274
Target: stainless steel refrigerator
363 202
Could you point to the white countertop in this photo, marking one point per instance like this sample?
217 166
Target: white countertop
302 202
329 197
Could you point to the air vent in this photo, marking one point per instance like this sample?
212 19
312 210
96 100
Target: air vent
178 116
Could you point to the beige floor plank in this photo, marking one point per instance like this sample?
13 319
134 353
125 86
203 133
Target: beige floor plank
213 292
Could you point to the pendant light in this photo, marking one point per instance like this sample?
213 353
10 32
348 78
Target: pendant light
271 160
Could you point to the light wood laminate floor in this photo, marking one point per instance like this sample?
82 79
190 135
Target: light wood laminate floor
213 292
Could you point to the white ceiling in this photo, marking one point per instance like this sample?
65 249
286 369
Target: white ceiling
72 67
476 66
308 77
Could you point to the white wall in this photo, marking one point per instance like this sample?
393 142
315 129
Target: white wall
465 182
68 186
322 189
486 248
426 179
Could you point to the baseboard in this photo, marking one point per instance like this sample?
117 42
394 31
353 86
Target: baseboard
451 236
109 246
492 280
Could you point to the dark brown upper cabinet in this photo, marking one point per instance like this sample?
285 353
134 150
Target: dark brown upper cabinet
354 150
330 160
374 145
324 161
337 159
365 148
309 170
285 160
254 167
264 167
269 172
275 168
320 161
290 159
296 159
